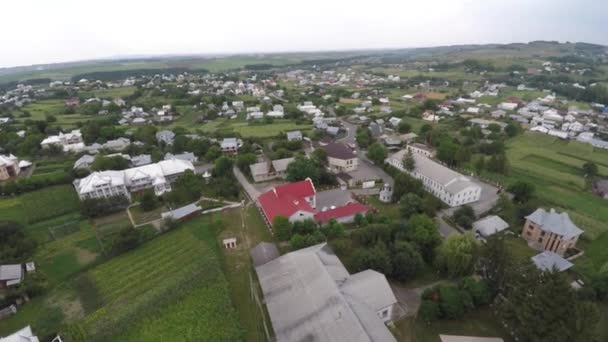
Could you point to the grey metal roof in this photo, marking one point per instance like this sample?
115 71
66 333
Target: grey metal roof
11 272
294 135
259 168
184 211
490 225
303 296
554 222
549 261
372 287
263 253
280 165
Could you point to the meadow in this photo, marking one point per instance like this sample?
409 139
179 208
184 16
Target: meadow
39 205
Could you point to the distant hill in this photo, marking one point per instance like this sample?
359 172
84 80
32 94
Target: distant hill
456 53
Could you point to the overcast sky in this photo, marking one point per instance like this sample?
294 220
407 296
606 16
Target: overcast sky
46 31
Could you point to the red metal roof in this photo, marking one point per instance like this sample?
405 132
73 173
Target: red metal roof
286 200
351 208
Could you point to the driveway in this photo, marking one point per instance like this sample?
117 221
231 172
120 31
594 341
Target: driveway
351 131
251 191
369 169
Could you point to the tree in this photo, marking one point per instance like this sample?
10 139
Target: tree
430 204
406 261
404 127
590 169
377 153
522 191
222 166
363 137
244 160
376 258
512 129
456 256
15 246
409 163
478 289
110 163
451 306
302 168
424 232
404 184
410 204
333 229
429 311
464 216
319 156
282 228
446 152
498 163
480 164
127 239
187 188
213 153
497 264
148 200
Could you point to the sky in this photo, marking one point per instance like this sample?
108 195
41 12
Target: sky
50 31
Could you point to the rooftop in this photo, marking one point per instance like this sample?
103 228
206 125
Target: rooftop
554 222
549 261
339 151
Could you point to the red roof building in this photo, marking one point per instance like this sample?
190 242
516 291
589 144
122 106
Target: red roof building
297 202
342 214
294 201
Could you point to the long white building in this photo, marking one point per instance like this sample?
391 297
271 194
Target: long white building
106 184
448 185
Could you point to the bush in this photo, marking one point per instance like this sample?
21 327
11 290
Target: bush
282 228
452 306
429 311
464 216
96 207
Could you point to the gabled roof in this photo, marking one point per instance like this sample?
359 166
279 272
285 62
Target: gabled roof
549 261
264 252
301 189
286 200
554 222
303 294
349 209
372 287
339 151
490 225
11 272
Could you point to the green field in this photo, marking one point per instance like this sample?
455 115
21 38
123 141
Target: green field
171 288
39 110
110 93
40 205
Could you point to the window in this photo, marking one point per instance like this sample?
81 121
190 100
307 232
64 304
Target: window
529 233
540 240
542 233
384 313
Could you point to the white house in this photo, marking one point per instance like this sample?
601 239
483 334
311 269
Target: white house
70 142
231 145
106 184
449 186
508 106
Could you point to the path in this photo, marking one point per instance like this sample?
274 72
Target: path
251 191
410 298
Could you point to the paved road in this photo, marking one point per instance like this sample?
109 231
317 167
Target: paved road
250 189
351 131
410 298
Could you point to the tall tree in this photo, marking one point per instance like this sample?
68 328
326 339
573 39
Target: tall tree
457 255
424 232
409 163
377 153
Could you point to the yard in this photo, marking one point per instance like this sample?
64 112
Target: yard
244 287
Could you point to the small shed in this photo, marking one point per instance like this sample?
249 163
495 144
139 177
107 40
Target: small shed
264 252
548 261
490 225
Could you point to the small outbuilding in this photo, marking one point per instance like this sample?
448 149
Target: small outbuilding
490 225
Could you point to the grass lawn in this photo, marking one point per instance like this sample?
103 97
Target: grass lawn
265 131
111 93
239 270
38 110
391 210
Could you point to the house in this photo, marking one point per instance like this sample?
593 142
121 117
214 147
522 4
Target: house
70 142
231 145
449 186
9 167
376 129
187 156
310 296
142 159
117 144
394 121
10 275
508 106
497 114
23 335
548 261
340 157
296 201
421 149
158 176
294 136
72 102
268 170
489 225
165 137
84 162
550 231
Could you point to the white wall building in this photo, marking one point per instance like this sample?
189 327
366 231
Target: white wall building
449 186
106 184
